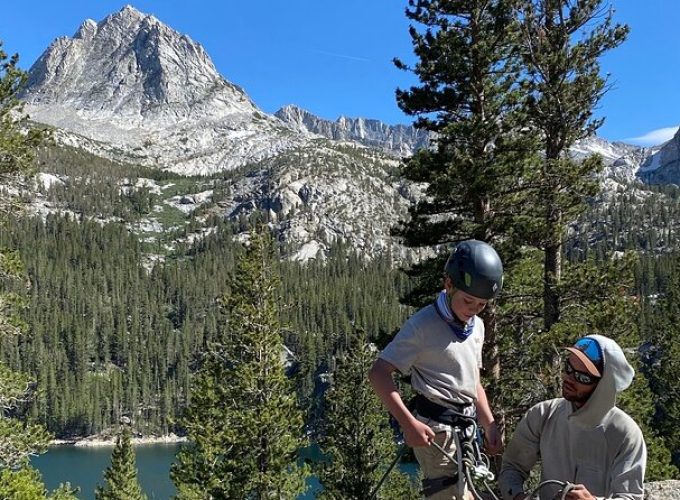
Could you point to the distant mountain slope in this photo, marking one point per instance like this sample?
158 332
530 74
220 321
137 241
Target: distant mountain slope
132 81
134 91
622 161
663 167
401 140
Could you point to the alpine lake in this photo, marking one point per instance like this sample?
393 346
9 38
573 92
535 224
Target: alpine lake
84 466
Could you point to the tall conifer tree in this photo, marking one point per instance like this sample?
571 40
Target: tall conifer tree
358 441
121 476
244 425
561 43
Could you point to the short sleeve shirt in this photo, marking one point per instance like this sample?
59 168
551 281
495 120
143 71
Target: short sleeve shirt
442 367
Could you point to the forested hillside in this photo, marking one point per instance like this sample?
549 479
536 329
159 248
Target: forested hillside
142 285
109 337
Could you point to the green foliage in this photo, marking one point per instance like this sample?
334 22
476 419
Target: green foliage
358 442
561 43
120 478
17 149
244 425
19 441
26 484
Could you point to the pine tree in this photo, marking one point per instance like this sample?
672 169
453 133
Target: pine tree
468 98
120 478
25 483
358 443
561 43
19 439
243 424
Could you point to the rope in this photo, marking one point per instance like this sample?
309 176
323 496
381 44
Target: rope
565 485
400 452
468 466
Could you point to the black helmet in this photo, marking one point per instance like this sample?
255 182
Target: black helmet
475 268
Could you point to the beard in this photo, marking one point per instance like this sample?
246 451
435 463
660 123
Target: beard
577 397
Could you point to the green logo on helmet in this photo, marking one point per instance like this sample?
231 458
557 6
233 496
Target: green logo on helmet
468 280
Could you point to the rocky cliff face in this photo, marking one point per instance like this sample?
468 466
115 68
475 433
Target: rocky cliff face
662 490
663 167
622 161
153 93
400 140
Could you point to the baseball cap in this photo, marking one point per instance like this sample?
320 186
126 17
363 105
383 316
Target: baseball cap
588 350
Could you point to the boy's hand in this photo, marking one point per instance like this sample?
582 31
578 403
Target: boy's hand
417 433
493 444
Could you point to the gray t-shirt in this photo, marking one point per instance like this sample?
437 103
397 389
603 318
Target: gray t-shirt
442 367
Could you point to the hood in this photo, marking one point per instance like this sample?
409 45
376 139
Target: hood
617 376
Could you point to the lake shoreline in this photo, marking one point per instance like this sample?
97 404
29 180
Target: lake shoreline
101 441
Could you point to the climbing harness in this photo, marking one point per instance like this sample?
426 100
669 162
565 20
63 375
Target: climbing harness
472 465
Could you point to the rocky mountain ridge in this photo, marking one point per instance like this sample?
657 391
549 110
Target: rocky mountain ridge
663 167
153 93
399 140
133 90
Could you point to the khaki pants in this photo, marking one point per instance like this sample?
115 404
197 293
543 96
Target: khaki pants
434 465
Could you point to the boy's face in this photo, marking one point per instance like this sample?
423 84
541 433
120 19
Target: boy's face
462 304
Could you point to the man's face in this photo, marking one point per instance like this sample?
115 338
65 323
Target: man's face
462 304
572 390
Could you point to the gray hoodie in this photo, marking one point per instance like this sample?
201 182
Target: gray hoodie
597 445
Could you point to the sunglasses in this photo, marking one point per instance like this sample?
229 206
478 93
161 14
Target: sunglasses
580 377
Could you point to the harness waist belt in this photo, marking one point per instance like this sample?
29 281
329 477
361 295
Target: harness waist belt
442 414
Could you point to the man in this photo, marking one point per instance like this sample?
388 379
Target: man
581 438
440 347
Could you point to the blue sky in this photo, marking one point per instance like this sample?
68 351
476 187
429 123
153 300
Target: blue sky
334 57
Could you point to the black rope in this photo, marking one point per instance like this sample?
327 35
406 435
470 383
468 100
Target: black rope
400 452
565 485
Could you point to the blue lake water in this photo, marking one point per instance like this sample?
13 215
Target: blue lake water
84 467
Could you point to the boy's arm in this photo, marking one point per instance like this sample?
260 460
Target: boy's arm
493 438
416 433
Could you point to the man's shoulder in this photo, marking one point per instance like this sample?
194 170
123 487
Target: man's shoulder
547 408
619 422
549 404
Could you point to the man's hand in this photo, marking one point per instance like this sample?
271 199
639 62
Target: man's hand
493 444
580 492
417 433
